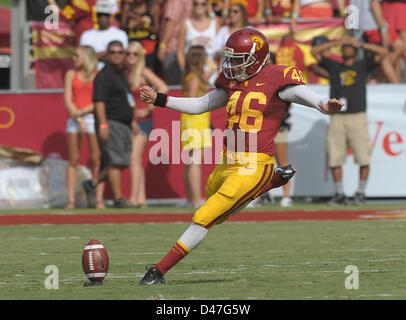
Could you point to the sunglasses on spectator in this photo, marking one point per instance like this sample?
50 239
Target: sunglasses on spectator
99 14
129 53
203 4
116 52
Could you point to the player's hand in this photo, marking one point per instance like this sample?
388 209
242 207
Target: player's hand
147 94
332 106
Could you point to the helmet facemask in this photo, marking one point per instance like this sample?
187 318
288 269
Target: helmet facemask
236 64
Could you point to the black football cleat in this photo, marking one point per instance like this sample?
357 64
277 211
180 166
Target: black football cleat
281 176
286 172
153 276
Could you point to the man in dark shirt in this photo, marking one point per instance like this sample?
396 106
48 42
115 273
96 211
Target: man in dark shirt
114 118
349 127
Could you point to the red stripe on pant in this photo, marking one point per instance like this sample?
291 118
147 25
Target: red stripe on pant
241 201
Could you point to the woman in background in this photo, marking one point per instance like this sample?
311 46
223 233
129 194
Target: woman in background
237 20
78 96
138 75
195 129
199 30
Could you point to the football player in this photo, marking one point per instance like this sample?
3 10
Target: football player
256 95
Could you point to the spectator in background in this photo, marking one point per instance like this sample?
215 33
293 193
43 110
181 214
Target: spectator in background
218 9
318 74
78 101
114 105
394 13
377 31
140 19
99 38
349 127
175 13
138 74
199 29
195 129
276 10
237 20
291 53
81 15
313 9
254 9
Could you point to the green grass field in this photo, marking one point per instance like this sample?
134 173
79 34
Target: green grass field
253 260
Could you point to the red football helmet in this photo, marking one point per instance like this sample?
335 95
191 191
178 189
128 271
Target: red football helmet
246 52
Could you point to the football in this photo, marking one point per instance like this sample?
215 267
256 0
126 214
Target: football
95 261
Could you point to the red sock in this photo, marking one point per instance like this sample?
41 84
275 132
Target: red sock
177 253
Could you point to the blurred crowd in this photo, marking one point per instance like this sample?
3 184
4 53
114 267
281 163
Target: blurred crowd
122 45
167 28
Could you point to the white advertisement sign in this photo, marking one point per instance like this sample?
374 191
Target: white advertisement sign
386 111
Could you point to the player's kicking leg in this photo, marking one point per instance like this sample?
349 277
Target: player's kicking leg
227 195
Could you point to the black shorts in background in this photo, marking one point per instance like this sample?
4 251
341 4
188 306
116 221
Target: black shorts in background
116 150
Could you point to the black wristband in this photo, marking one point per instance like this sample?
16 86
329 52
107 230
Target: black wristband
160 100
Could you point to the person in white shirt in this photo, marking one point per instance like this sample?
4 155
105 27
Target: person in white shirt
199 29
99 38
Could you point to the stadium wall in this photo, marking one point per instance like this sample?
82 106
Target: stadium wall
37 120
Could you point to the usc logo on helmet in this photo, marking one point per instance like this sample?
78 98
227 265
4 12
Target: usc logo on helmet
258 41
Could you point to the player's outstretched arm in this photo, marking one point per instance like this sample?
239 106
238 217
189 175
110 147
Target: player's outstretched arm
303 95
215 99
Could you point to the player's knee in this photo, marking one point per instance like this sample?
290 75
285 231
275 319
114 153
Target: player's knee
200 220
200 217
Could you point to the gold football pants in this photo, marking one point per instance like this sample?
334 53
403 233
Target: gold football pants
232 185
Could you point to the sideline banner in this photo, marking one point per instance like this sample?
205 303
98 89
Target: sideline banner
38 122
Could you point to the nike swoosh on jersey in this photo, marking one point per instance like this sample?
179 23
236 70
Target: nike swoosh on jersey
258 84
